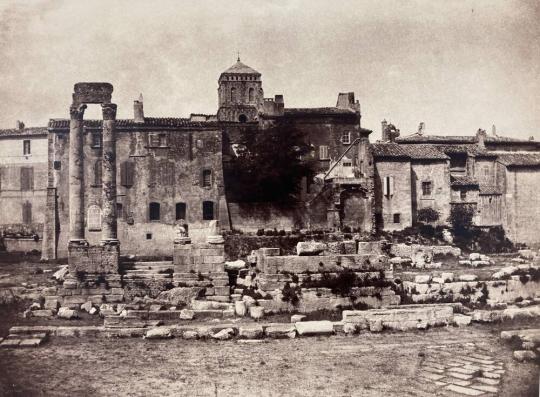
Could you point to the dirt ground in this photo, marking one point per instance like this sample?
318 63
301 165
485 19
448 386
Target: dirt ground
364 365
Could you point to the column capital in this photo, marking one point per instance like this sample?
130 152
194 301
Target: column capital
109 111
76 111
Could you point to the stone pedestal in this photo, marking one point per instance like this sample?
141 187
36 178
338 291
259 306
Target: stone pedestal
99 259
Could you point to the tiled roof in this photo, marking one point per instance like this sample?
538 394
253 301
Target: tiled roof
149 122
489 189
29 131
462 180
423 138
318 111
240 68
413 152
519 159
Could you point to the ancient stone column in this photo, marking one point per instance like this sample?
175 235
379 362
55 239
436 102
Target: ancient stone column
108 192
76 173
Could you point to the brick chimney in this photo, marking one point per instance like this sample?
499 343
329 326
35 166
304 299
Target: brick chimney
384 130
20 125
421 128
481 138
138 111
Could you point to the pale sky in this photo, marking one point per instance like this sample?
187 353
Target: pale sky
456 65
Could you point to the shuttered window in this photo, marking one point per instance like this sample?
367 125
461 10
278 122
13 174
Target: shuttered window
27 178
206 179
97 173
323 152
27 212
127 173
388 186
26 147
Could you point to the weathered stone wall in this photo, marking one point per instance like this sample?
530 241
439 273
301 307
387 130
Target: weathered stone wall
14 195
400 202
522 220
250 217
168 174
438 174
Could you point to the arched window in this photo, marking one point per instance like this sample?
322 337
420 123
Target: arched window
180 211
208 210
97 173
154 212
242 118
251 94
233 94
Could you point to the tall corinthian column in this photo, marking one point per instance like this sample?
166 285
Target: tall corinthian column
76 173
108 195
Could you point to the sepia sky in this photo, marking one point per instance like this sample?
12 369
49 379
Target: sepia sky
456 65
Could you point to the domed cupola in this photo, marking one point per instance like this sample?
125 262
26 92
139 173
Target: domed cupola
240 94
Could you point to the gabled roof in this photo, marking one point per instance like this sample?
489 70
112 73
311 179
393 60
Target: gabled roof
130 124
27 131
519 159
413 152
240 68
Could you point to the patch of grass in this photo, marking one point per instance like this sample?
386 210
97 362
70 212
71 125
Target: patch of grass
291 294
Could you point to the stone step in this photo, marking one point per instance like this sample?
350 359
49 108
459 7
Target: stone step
148 271
151 276
147 265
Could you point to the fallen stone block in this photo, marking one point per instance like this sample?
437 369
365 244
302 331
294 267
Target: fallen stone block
524 355
235 265
93 311
155 308
461 320
314 327
376 326
42 313
87 306
422 278
468 277
224 334
505 272
256 312
279 331
60 274
447 277
158 333
51 303
304 248
68 314
31 342
190 335
295 318
240 308
186 314
251 331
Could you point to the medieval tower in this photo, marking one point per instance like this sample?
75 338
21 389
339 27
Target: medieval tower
240 94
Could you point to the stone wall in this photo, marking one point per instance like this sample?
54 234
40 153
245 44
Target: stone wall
250 217
521 222
438 174
400 201
167 174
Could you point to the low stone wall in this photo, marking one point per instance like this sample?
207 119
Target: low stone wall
400 318
21 244
422 256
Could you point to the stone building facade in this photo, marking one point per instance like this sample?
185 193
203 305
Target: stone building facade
132 180
495 175
23 187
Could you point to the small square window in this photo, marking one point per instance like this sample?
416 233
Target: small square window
57 165
397 218
463 195
346 138
96 140
149 236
